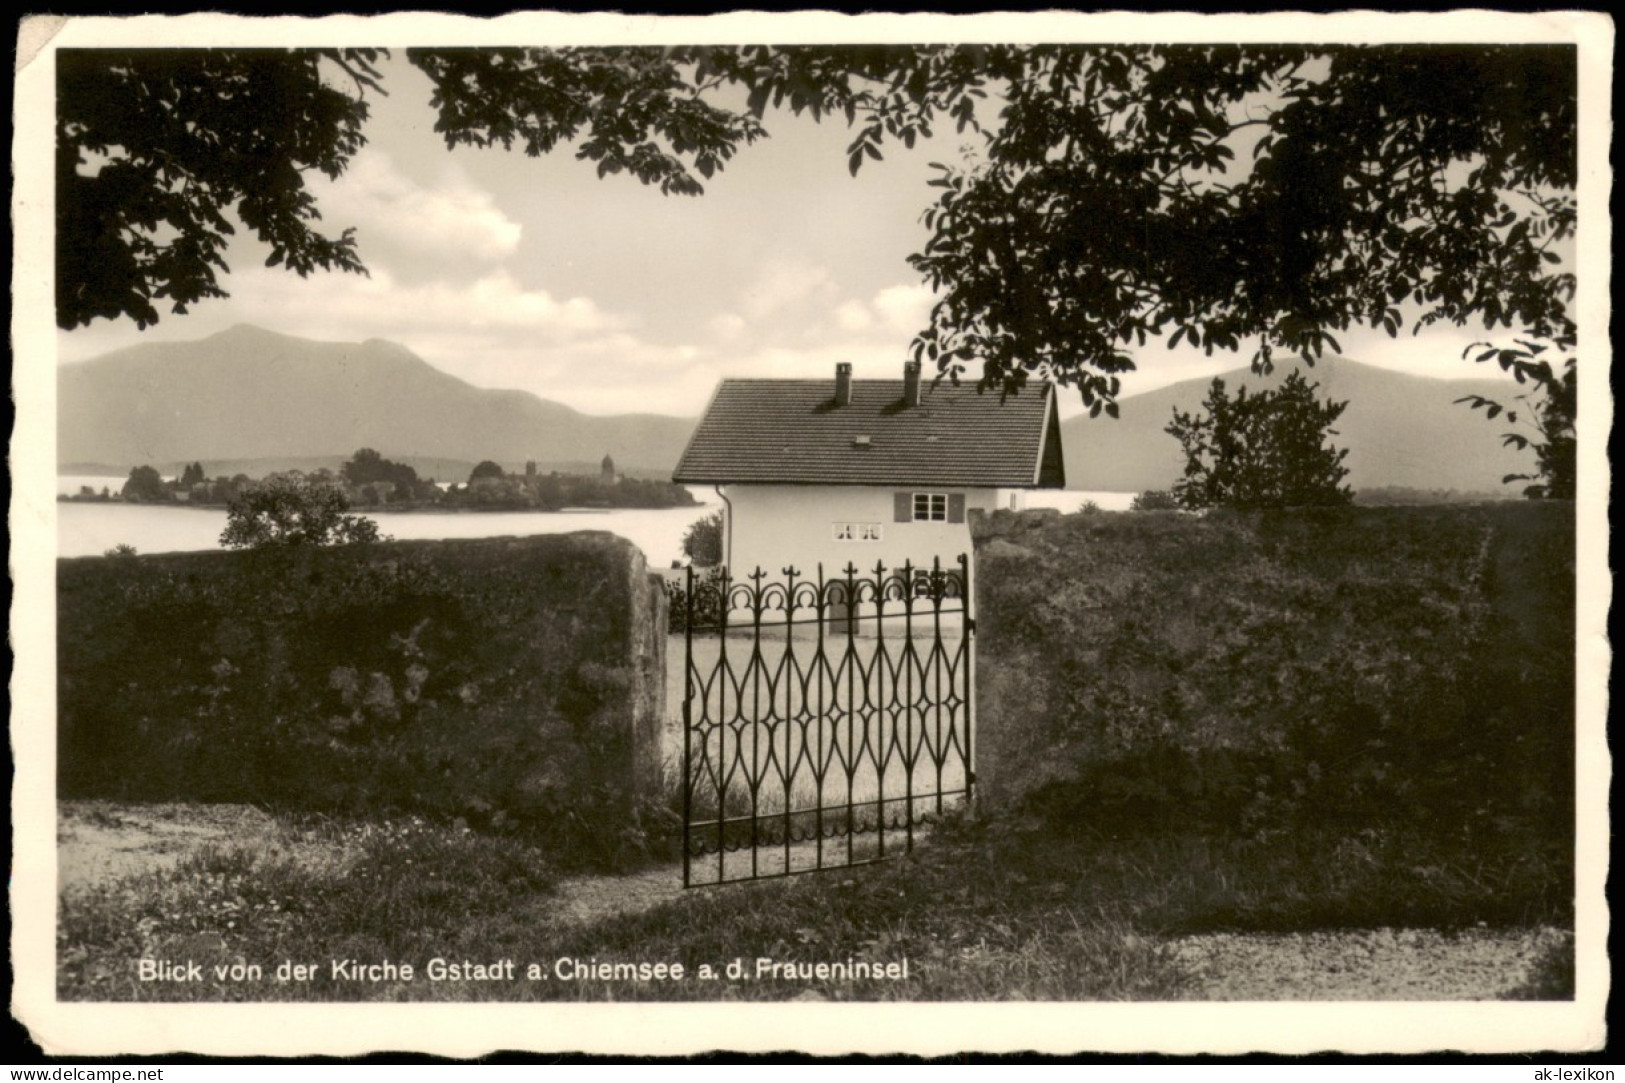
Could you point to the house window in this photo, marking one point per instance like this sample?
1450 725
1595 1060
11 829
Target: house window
859 532
931 507
911 507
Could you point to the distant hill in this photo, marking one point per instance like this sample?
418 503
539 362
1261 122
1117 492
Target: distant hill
1404 431
248 395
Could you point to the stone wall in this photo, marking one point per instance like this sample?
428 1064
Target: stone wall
1273 669
514 682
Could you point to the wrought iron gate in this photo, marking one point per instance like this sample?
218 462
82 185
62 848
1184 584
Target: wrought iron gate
824 719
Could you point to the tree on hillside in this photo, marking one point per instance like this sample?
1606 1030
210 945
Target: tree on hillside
285 510
368 469
1258 198
1264 450
145 485
364 467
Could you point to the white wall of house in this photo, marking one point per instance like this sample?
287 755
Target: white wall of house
1013 499
775 526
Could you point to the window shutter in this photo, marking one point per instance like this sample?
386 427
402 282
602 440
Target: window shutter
903 507
956 507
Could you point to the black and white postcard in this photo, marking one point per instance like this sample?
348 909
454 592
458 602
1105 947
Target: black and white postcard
878 534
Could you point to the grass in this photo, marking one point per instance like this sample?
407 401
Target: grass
387 889
1046 909
1015 908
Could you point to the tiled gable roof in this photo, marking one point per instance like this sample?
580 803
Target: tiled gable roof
791 432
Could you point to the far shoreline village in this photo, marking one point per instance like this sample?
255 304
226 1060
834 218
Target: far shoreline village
372 483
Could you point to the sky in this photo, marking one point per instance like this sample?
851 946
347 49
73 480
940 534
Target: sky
532 273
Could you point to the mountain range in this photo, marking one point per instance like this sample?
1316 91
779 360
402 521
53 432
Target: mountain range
247 395
250 400
1400 430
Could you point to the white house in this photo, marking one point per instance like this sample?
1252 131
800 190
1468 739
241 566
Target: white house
813 472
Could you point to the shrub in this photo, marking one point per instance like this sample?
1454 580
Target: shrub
288 510
1266 450
702 542
710 596
1154 500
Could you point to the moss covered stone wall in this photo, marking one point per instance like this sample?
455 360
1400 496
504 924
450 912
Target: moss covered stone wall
509 681
1273 671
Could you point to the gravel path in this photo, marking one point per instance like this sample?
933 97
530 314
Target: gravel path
578 900
99 842
102 842
587 898
1374 964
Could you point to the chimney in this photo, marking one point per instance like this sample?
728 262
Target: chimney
911 383
843 383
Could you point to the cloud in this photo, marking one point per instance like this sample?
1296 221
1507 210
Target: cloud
905 308
495 332
1437 352
785 285
853 316
470 328
728 327
792 305
451 217
893 311
382 306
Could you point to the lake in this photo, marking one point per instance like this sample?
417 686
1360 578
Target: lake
92 529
